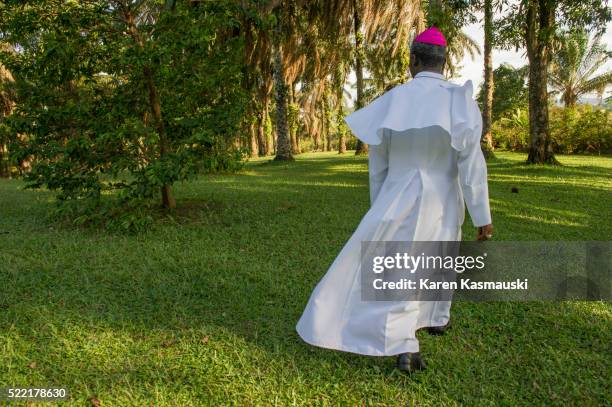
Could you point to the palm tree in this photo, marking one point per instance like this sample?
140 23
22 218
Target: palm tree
458 46
539 17
283 143
314 56
574 64
448 18
487 111
270 53
361 148
339 78
6 106
371 21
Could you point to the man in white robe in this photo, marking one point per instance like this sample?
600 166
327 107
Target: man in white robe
425 161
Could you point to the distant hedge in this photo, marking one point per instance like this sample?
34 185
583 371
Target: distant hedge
579 129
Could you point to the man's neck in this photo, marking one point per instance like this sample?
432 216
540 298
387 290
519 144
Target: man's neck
439 72
430 74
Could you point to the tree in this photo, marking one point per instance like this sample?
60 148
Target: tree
361 148
539 24
532 24
488 86
6 106
283 142
449 17
574 62
257 23
124 96
341 129
278 39
386 21
510 92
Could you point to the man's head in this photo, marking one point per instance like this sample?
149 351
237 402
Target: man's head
428 52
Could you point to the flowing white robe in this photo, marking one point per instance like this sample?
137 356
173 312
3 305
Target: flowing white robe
425 161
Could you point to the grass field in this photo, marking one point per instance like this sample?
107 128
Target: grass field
201 310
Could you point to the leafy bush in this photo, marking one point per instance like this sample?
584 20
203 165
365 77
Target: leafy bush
579 129
126 100
512 132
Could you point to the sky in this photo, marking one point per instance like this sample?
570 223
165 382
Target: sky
473 69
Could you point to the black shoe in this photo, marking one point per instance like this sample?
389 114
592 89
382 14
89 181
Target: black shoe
410 362
438 330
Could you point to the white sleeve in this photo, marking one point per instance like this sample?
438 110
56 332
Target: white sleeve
378 164
473 180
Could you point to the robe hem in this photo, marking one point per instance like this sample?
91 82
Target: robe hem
360 351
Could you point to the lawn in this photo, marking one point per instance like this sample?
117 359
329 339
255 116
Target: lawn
201 310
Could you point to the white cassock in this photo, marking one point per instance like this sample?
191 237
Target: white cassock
424 162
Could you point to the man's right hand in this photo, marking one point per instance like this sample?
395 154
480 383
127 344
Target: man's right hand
485 232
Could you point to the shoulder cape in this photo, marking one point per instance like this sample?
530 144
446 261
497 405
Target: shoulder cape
418 104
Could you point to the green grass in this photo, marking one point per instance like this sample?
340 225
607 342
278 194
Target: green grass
201 310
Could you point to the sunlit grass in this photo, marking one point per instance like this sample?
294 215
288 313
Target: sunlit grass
203 312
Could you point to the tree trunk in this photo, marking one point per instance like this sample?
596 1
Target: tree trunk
540 18
325 124
487 112
267 136
295 149
326 135
5 165
338 81
274 139
283 143
253 140
341 143
168 200
167 196
361 148
262 143
569 99
341 131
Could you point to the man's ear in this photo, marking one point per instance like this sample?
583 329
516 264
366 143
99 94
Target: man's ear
413 61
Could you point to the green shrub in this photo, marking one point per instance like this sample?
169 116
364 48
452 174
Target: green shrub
512 132
579 129
109 103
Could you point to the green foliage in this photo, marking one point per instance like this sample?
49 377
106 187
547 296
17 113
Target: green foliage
509 93
512 132
575 61
509 29
293 116
580 129
86 79
451 15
